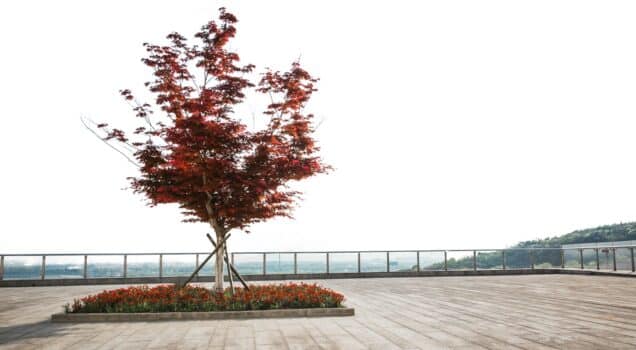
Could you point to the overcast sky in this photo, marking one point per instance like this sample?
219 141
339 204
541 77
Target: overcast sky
450 124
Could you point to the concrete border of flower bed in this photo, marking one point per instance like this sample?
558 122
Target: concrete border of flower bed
213 315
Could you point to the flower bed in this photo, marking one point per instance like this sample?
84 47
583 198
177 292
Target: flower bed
167 298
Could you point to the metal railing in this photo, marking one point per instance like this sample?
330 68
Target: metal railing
139 265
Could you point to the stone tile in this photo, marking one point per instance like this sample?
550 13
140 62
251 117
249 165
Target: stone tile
494 312
271 347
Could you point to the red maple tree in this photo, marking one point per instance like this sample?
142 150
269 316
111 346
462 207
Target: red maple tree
199 154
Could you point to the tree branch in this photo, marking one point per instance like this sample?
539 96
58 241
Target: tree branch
129 147
108 144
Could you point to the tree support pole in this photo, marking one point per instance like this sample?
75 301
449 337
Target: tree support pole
230 265
229 271
216 249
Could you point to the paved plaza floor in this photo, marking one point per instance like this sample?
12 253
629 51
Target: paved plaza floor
481 312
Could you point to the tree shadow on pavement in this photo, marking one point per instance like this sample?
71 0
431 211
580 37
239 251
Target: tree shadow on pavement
35 330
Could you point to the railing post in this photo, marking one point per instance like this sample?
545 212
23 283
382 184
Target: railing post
125 265
85 270
631 252
531 258
264 264
327 258
474 260
598 262
562 258
359 262
43 268
232 258
445 260
295 263
614 258
160 265
388 268
196 264
2 266
581 258
503 259
418 261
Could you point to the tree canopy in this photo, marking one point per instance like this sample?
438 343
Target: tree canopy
198 153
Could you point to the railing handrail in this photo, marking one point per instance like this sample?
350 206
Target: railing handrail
311 251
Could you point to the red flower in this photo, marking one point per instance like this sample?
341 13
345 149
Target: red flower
167 298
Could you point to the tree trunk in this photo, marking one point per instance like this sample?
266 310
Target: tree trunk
220 234
218 267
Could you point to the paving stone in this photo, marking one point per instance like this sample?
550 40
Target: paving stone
466 312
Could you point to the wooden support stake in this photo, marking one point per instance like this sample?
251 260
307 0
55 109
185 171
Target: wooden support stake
229 271
231 266
196 271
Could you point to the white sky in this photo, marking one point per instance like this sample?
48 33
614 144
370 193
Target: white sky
451 124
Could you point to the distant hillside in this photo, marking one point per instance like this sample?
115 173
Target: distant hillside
547 258
616 232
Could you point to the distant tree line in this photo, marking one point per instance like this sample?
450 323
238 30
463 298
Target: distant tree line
549 258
